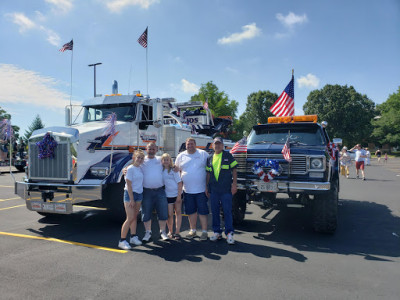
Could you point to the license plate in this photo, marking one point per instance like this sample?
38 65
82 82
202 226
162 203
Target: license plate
48 206
268 186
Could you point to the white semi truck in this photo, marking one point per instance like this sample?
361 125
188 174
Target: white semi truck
85 167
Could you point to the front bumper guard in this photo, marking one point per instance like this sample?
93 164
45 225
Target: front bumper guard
288 186
56 198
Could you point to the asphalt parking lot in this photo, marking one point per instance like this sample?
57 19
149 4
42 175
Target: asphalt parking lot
277 255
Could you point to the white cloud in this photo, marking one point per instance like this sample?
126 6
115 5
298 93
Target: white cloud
189 87
250 31
26 24
21 87
22 21
61 6
232 70
309 81
291 19
118 5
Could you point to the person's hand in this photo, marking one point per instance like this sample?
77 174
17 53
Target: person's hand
124 171
176 169
234 189
207 193
131 204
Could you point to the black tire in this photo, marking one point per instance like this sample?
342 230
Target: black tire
325 209
20 168
239 207
113 198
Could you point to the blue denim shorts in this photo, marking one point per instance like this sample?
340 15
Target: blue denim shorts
136 197
196 203
154 199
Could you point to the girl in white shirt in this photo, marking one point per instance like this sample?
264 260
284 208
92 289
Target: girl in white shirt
133 196
173 191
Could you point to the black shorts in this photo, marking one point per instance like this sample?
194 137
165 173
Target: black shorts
171 200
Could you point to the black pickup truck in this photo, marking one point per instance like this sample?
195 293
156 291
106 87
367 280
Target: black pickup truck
310 177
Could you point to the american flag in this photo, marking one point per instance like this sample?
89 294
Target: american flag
240 146
284 105
142 40
67 46
205 105
286 151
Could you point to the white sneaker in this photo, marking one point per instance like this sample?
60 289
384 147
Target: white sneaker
215 237
147 236
164 236
229 238
135 241
124 245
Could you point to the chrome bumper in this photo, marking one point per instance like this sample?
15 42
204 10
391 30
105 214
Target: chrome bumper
287 186
56 198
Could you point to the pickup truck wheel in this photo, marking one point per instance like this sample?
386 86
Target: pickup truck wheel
325 208
238 207
20 168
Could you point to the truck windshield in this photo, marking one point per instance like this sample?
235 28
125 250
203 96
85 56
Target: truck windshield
126 112
298 135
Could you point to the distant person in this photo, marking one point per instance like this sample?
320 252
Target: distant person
21 149
386 158
133 196
173 191
221 186
192 165
378 154
360 157
345 162
368 158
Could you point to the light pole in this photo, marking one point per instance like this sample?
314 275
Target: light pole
94 66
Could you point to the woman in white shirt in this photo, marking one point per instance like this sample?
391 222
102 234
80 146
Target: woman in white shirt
133 196
173 191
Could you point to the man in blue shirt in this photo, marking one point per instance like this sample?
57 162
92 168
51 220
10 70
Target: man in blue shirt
221 186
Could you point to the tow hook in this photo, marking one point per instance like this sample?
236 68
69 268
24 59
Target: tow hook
47 195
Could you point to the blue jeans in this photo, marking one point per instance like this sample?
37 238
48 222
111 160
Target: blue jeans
137 197
196 203
226 200
154 199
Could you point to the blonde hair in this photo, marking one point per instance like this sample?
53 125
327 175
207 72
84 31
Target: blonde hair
137 153
171 165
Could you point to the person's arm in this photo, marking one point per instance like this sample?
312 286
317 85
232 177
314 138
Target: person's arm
130 193
207 181
234 181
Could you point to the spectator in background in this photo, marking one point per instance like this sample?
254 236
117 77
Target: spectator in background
21 148
345 162
368 158
360 157
378 154
386 158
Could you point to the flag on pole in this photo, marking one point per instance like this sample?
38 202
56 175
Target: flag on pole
142 40
284 105
205 105
240 146
286 151
67 46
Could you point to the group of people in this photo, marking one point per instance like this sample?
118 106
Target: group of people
362 158
17 148
155 182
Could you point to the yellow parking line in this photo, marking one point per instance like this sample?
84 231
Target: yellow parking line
12 207
2 200
6 186
91 207
62 241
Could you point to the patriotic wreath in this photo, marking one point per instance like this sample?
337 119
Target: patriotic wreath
47 147
267 177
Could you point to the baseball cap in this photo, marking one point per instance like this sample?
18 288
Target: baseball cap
218 140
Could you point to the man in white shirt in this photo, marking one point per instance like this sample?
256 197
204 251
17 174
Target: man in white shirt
153 192
192 165
360 156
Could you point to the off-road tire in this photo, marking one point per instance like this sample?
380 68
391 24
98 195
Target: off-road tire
238 207
325 209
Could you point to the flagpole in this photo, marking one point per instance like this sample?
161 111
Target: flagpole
147 63
70 95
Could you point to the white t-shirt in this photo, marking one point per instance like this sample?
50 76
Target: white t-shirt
152 173
358 155
193 170
135 175
171 180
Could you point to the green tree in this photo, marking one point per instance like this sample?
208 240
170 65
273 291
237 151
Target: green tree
218 101
5 115
387 124
36 124
257 110
347 112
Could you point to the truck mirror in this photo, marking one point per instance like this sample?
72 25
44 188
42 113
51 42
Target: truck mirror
67 116
157 110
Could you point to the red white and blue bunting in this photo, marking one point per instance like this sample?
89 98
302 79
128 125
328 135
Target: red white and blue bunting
267 177
47 147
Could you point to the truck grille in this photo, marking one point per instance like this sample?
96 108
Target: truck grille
57 168
297 166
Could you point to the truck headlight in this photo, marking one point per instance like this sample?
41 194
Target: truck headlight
316 164
99 171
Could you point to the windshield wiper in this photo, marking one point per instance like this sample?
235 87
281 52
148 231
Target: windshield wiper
297 143
264 142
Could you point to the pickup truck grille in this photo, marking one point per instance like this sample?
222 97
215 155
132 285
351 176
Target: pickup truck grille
57 168
297 166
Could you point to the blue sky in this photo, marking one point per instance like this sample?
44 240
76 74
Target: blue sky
242 46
